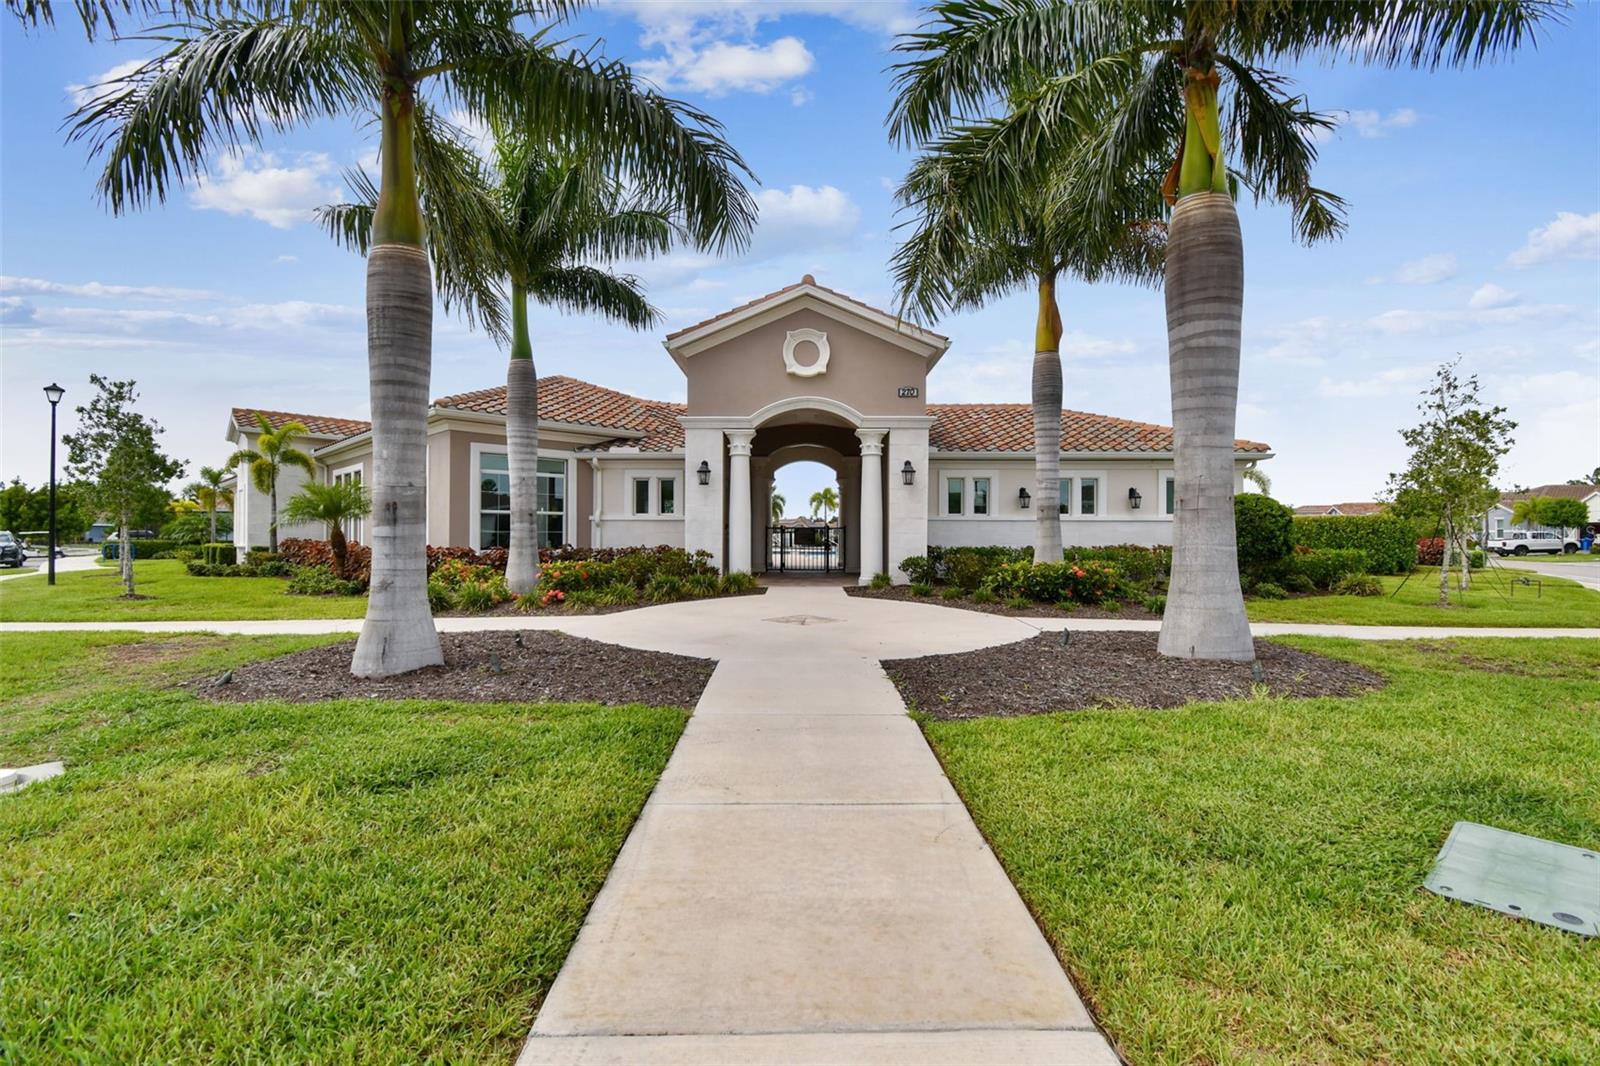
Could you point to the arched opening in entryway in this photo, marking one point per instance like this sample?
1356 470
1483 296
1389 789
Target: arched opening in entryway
821 434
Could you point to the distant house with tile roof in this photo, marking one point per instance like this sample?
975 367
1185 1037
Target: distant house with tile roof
1362 507
1498 518
801 374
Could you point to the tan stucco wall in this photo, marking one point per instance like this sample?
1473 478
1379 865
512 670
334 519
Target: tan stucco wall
745 373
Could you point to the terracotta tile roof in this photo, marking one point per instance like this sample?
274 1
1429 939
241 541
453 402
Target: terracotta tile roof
811 281
564 399
1568 492
1364 507
320 426
1008 427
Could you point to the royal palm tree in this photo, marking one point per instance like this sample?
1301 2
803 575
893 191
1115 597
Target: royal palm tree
824 501
963 254
209 493
778 504
274 450
559 217
228 73
333 505
1119 84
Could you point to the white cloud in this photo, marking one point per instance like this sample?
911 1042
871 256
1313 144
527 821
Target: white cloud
802 217
1408 320
253 183
1491 295
1570 236
1428 270
1383 383
1376 124
1076 344
99 289
800 96
661 18
720 67
287 259
106 83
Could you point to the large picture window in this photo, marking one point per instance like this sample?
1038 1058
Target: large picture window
494 502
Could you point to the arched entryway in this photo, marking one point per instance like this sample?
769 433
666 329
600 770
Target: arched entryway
823 434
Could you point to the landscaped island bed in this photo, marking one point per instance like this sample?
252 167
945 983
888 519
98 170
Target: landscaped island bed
355 880
523 666
1041 674
1241 881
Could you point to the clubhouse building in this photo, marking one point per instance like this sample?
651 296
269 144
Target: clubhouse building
801 374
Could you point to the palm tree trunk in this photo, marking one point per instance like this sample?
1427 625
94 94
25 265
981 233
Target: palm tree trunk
522 450
340 550
211 514
398 633
1204 617
1047 425
272 530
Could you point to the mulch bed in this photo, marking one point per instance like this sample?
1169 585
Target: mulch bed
512 610
489 667
1035 610
1038 675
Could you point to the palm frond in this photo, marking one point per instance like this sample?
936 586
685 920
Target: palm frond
587 289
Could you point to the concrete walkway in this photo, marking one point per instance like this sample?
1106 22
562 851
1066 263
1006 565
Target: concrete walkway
1584 572
804 884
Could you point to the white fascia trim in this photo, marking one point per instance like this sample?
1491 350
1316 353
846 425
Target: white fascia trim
897 331
1079 457
632 454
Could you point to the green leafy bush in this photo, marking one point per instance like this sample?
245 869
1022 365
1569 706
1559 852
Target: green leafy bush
921 588
317 581
1321 568
664 588
1090 582
1019 603
460 585
1390 543
1262 526
142 549
737 583
1358 585
967 568
199 569
1154 604
219 553
193 527
881 581
984 595
701 586
919 570
950 592
1138 565
1269 590
1477 559
617 594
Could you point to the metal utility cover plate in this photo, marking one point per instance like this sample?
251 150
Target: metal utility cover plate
1526 877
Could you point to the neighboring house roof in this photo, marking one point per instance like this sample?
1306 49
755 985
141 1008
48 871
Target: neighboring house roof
1008 427
1364 507
652 425
318 425
1570 492
807 282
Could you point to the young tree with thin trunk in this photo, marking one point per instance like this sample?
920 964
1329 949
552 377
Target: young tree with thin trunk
265 462
115 450
963 254
334 505
1455 454
226 75
1123 84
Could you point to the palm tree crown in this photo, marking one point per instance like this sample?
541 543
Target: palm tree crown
824 501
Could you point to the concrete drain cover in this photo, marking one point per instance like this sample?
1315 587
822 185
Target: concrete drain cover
1526 877
801 620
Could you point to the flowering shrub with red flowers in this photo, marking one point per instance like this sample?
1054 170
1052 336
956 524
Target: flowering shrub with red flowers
1090 582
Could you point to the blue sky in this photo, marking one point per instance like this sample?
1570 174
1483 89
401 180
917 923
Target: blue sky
1474 231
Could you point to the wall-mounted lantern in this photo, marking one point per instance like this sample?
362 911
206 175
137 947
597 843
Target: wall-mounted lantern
1024 501
908 473
704 472
1134 498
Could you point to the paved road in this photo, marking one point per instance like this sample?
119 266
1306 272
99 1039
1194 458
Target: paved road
1585 573
35 565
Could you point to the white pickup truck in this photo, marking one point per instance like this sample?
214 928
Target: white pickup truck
1521 542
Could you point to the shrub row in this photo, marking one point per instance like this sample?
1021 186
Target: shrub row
1430 552
256 564
142 549
1092 582
1390 543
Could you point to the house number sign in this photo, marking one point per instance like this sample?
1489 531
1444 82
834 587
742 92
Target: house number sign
908 392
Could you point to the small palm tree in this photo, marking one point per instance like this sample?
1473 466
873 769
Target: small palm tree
333 505
1258 477
274 450
209 493
1528 511
824 501
778 505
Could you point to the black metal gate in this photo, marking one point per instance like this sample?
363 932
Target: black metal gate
805 549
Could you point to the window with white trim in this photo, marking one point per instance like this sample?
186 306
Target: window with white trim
955 495
980 495
550 517
651 495
641 495
353 528
1088 495
968 494
666 495
494 501
1169 494
1064 495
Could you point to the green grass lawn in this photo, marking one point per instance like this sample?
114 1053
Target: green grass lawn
173 595
1241 881
339 882
1492 601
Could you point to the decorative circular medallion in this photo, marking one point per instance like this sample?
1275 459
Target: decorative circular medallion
794 339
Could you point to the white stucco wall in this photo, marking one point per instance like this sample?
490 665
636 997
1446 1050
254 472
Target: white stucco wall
252 518
619 527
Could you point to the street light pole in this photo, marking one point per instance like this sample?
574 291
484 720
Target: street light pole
53 393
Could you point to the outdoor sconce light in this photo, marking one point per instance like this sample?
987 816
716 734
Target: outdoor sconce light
704 472
908 473
1134 498
1024 501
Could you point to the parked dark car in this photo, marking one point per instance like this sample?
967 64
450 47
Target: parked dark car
11 553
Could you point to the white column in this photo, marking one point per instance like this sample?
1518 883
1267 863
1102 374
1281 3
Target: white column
739 499
702 504
908 504
871 504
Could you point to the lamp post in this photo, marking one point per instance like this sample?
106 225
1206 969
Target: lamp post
53 393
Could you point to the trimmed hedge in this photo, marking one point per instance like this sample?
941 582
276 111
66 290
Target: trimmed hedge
142 549
1261 526
1320 568
1390 543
